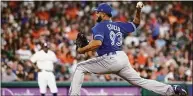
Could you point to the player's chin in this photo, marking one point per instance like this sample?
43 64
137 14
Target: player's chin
99 19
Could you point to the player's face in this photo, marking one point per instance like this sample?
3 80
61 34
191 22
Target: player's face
99 16
45 48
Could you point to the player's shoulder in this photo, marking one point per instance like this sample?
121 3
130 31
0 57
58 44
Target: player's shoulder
50 51
120 22
98 26
38 52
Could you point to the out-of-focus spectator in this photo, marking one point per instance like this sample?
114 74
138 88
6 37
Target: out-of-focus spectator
170 75
162 72
24 53
180 75
100 78
87 77
31 76
65 56
9 75
141 58
21 74
143 73
63 74
150 65
189 73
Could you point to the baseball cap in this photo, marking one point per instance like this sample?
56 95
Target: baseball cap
103 7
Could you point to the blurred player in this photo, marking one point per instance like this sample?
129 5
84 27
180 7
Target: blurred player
45 59
107 41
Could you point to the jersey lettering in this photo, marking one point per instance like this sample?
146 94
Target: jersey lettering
113 27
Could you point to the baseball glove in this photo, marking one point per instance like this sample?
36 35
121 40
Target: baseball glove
81 40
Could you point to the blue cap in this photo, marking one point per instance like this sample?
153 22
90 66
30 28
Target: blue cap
104 8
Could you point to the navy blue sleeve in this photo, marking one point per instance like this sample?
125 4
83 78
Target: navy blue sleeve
128 27
98 32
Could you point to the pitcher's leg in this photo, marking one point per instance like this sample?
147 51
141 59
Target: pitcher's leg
94 65
129 74
76 83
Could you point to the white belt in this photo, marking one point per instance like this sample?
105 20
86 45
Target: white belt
45 70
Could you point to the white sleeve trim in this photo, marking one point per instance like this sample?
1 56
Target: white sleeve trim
99 36
133 26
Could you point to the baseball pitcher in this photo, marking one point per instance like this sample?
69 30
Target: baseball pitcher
107 41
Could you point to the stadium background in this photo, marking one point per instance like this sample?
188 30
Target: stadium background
24 25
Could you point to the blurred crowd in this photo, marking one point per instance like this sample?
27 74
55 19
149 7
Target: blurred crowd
160 49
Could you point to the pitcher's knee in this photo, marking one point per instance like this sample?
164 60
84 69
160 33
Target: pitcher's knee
80 67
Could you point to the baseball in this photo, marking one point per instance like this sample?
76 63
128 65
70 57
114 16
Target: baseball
139 5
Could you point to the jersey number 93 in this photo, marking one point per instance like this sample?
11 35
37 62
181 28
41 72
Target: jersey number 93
116 38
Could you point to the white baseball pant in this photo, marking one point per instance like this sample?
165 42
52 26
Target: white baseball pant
117 64
47 78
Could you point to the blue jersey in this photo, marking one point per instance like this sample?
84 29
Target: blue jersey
111 35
